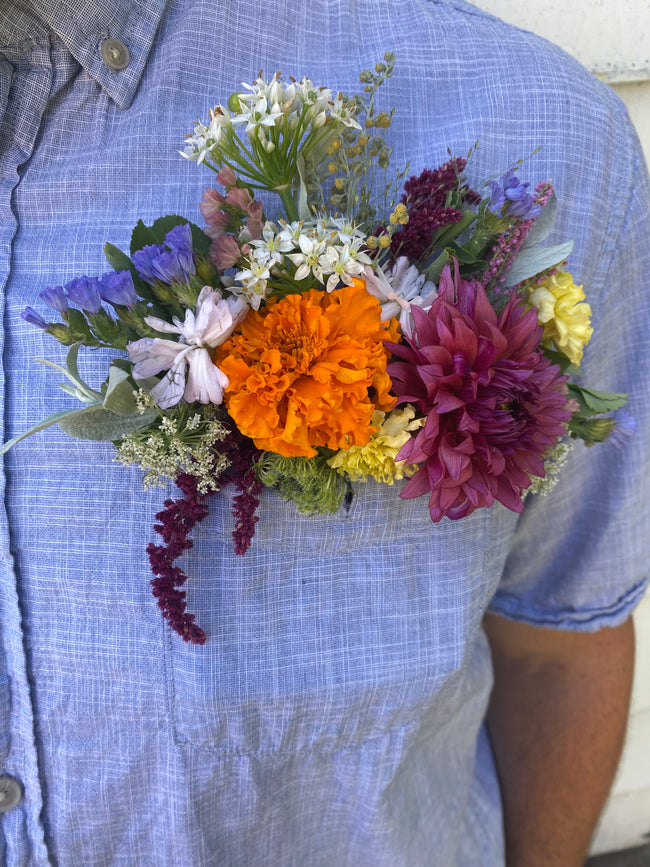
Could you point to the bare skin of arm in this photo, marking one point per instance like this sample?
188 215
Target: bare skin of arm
557 721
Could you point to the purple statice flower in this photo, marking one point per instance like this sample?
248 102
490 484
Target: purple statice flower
143 259
117 288
624 428
510 191
55 297
31 316
179 241
85 293
172 263
167 268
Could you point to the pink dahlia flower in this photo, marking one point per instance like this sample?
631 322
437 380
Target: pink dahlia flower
494 404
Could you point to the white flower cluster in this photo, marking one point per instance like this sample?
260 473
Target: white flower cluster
268 109
207 139
330 251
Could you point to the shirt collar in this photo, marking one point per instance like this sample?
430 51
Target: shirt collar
84 24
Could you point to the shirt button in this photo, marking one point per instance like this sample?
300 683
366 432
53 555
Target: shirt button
10 794
115 54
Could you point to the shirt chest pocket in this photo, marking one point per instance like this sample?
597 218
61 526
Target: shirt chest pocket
330 630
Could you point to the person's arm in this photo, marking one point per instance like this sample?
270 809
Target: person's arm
557 721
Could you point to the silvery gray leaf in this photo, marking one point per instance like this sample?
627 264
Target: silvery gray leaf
533 260
50 420
119 392
75 392
97 423
543 225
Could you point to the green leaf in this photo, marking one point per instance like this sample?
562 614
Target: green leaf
534 260
75 392
123 364
565 364
47 422
592 401
79 326
98 423
119 392
117 259
463 256
71 363
142 236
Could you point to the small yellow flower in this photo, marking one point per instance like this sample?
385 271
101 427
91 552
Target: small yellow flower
564 315
377 457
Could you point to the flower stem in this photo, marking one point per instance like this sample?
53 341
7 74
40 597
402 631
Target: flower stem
290 208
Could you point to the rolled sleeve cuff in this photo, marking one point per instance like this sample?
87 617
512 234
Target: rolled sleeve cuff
574 620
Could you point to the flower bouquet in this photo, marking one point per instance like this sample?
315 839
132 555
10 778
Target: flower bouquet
384 326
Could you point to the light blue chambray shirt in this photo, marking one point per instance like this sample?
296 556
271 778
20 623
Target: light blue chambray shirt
333 716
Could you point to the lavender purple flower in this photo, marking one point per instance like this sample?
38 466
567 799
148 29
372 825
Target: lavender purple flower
172 263
510 191
143 260
85 293
179 241
31 316
117 288
55 297
623 429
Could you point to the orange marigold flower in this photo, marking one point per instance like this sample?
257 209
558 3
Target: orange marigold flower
309 370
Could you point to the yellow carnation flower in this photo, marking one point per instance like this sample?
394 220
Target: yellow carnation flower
560 309
377 457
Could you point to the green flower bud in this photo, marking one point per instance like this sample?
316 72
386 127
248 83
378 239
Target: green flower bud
591 430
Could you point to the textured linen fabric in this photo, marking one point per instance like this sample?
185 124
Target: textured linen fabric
335 714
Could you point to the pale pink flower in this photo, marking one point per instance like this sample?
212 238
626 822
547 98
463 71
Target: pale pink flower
191 372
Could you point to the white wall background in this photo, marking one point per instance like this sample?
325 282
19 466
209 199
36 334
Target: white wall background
612 39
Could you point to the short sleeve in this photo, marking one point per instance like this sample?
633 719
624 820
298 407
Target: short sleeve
579 556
